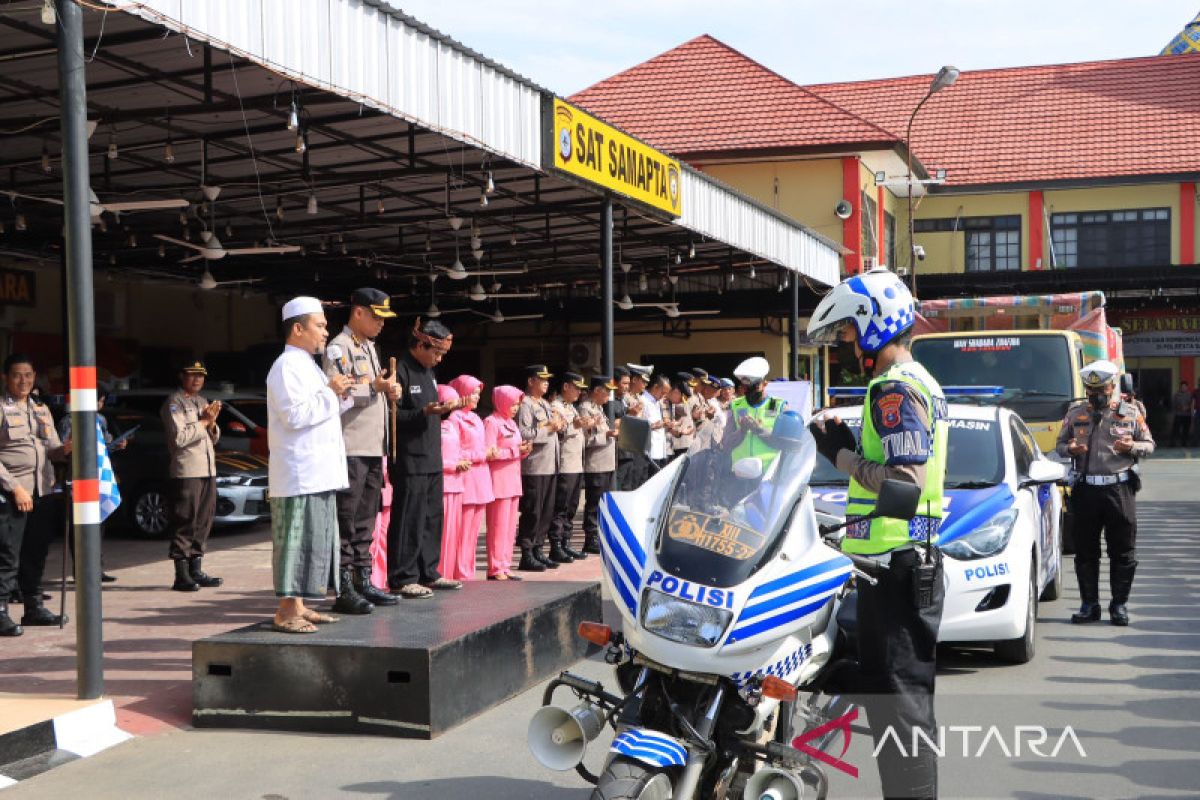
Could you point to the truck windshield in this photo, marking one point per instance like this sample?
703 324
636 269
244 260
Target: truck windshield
1034 370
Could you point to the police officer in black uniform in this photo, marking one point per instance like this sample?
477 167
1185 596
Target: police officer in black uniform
1104 437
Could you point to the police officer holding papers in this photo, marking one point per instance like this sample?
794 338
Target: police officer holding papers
1105 437
904 437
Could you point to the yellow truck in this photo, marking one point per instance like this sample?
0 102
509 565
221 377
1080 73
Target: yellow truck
1032 346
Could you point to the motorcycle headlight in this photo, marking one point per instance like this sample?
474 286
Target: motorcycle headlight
987 540
683 622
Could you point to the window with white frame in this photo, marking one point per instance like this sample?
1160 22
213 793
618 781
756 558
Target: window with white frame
1129 238
993 243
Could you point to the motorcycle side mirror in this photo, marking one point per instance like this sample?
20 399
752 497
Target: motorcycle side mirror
897 500
748 468
634 436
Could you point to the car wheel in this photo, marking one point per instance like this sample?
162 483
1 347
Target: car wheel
150 513
1053 589
1020 650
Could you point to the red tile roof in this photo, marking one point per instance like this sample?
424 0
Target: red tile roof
1103 119
705 97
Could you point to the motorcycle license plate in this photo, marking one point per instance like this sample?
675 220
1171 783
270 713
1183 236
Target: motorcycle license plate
714 534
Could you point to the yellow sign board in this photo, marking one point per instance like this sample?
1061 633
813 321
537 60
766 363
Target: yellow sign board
591 150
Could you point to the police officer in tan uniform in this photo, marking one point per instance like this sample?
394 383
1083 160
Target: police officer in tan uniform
28 445
539 425
190 423
569 482
364 427
1104 437
599 457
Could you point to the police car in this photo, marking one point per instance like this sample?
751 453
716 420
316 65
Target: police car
1001 530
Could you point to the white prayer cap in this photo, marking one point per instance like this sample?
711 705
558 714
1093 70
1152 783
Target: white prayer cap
302 305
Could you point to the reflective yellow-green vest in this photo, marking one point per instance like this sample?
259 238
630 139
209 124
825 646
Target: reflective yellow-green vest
765 413
884 534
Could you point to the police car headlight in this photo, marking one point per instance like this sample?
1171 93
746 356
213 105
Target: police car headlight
683 622
987 540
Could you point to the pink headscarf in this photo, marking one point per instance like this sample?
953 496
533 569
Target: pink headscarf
466 385
446 393
505 397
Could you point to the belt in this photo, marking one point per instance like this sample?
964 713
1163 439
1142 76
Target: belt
1107 480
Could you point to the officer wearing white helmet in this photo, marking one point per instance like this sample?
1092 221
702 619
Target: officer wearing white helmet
1104 437
869 318
752 416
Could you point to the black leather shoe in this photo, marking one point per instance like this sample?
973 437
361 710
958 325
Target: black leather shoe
202 578
1088 612
559 555
37 615
541 559
348 600
575 554
1117 614
362 584
106 578
183 578
591 546
529 563
7 626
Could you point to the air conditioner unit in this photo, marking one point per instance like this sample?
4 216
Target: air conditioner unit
584 355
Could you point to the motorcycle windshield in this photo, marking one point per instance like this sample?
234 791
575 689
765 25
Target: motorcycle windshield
726 519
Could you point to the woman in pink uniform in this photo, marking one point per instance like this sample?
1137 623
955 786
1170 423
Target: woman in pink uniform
504 454
454 466
477 482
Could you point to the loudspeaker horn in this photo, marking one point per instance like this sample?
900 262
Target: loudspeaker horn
558 738
843 209
770 783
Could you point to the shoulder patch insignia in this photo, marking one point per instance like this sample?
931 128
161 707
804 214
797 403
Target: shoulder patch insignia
889 408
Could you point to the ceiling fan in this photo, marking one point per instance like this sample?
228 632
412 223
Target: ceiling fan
497 316
96 208
211 248
207 281
671 309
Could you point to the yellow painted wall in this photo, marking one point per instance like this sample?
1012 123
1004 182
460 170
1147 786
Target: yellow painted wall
1120 198
945 252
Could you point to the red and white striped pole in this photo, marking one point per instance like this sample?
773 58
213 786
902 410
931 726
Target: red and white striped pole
72 83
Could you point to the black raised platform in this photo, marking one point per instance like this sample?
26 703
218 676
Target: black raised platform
413 670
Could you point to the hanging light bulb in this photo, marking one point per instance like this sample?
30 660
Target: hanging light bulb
691 249
293 117
113 152
101 225
45 159
476 242
132 240
731 277
301 145
428 242
303 251
183 220
678 258
279 208
169 152
311 208
162 251
786 280
228 230
380 208
643 284
48 15
344 249
512 239
753 274
20 223
456 223
483 198
491 184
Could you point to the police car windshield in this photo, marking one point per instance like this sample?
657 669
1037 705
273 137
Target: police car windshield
975 459
726 518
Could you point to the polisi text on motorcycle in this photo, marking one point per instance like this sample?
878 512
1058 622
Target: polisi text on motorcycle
685 590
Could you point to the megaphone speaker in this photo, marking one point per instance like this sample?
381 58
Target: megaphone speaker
770 783
843 209
558 738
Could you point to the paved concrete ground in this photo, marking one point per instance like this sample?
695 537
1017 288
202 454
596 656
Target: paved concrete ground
1129 695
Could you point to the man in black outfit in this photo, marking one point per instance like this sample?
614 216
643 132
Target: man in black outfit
414 537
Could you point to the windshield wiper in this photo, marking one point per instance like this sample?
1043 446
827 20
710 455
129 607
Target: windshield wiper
971 485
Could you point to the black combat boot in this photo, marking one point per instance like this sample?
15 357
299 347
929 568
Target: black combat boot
348 600
183 577
558 554
572 552
541 559
37 614
362 584
1087 572
591 544
529 563
7 626
1120 576
199 576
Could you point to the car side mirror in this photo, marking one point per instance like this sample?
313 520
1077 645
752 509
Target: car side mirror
748 468
1127 384
1043 470
634 435
897 500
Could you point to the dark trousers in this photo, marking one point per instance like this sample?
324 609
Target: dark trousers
193 504
414 535
897 645
41 528
1113 510
1180 428
12 535
537 510
595 484
626 474
357 509
567 488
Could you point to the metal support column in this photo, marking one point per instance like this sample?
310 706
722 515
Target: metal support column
606 284
794 332
72 85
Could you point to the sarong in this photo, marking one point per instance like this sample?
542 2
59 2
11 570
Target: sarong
304 532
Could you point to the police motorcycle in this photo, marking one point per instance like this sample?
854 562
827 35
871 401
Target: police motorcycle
728 598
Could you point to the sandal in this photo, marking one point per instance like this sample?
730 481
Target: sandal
511 577
414 591
319 618
445 583
294 625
